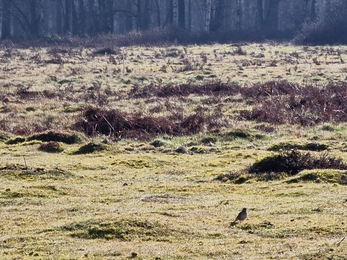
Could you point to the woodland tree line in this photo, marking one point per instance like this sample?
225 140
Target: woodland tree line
40 18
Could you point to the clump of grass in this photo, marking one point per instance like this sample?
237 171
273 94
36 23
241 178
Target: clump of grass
201 149
239 51
15 140
265 128
289 163
237 177
291 146
182 149
329 128
64 137
30 109
330 176
240 177
238 133
71 109
51 147
90 148
209 140
4 136
123 229
39 191
241 134
292 162
24 172
158 143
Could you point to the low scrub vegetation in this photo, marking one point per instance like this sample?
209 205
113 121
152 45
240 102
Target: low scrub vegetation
284 102
292 162
52 136
51 147
286 164
123 125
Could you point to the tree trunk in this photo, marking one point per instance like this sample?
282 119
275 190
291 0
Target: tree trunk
238 15
189 14
68 15
81 17
175 13
59 21
313 14
271 15
111 14
218 16
260 15
34 18
106 16
145 16
6 19
208 15
138 15
169 15
129 18
157 6
181 14
103 11
92 18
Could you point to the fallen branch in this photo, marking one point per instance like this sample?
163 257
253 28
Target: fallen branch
340 241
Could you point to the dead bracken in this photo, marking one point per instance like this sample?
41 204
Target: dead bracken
123 125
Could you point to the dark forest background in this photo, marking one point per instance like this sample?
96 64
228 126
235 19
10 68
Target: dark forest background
305 21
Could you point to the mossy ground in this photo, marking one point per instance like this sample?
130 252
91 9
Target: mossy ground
136 199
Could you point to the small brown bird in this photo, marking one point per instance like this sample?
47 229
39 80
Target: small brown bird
240 217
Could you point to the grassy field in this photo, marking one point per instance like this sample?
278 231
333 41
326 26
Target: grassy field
165 196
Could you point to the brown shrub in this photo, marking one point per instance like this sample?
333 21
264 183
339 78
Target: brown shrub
123 125
283 102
